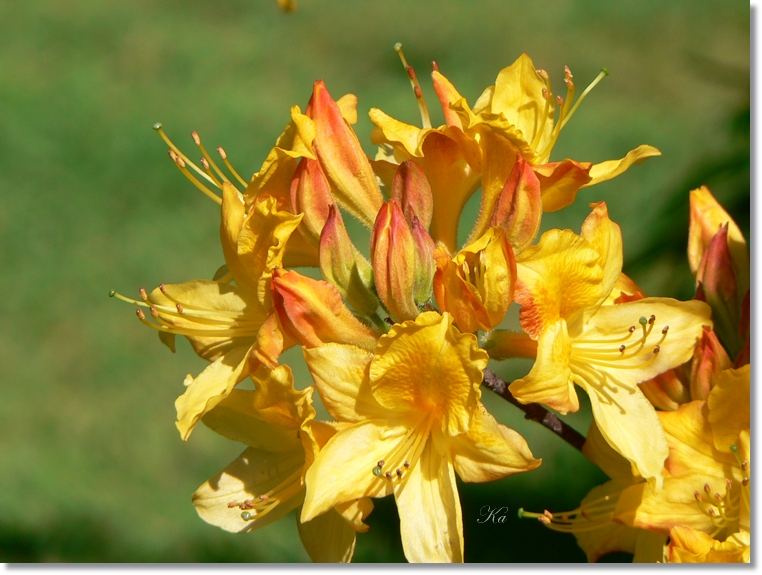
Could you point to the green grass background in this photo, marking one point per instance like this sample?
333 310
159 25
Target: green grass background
91 465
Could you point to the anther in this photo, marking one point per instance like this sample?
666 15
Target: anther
632 328
657 348
381 462
712 512
143 294
718 498
559 101
388 475
249 504
399 473
204 163
665 330
179 161
544 520
406 464
140 314
172 155
643 321
545 93
111 293
434 66
410 72
418 93
745 465
567 73
745 481
179 308
154 313
221 152
697 495
162 289
389 320
246 516
622 348
543 74
707 489
232 504
585 514
652 319
196 139
263 497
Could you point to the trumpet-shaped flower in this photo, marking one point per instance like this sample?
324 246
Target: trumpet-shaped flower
266 481
229 321
605 349
706 484
416 419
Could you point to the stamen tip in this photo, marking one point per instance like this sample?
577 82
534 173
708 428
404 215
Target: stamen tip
605 71
221 152
196 139
157 126
111 293
521 513
398 47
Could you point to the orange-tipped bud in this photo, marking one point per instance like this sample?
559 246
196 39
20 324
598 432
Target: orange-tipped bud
311 195
342 158
709 359
312 313
392 251
707 215
518 209
411 189
718 283
424 262
476 286
345 267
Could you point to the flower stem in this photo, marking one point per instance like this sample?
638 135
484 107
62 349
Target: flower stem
535 412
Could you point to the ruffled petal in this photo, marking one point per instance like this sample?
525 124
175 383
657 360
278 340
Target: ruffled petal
612 168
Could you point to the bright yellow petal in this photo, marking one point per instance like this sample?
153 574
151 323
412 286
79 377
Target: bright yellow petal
393 131
328 538
340 373
343 470
236 418
549 382
729 406
355 512
253 474
605 237
518 97
489 450
612 168
208 389
630 425
413 359
557 278
431 522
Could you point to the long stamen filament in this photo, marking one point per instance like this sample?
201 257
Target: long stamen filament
233 171
425 118
197 141
160 131
603 73
180 163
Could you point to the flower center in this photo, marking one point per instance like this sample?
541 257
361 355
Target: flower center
590 358
725 509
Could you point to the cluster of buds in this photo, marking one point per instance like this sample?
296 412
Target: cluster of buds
397 335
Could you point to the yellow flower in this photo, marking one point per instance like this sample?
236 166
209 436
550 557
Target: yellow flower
266 481
706 484
416 419
687 545
511 120
233 325
605 349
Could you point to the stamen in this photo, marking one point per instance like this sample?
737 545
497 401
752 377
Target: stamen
207 157
157 126
425 118
143 294
230 167
603 73
180 163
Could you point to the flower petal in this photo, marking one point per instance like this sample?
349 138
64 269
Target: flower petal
729 407
612 168
489 450
431 522
252 474
328 538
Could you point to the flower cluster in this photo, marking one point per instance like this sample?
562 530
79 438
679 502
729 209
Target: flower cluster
397 334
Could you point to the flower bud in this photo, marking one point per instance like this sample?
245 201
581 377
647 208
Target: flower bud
718 287
393 254
709 359
518 209
312 313
476 286
342 158
344 266
411 189
424 262
311 195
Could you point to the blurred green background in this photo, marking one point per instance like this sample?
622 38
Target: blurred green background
91 465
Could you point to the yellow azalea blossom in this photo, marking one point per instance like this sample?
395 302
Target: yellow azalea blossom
511 120
416 419
605 349
229 321
706 484
266 481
